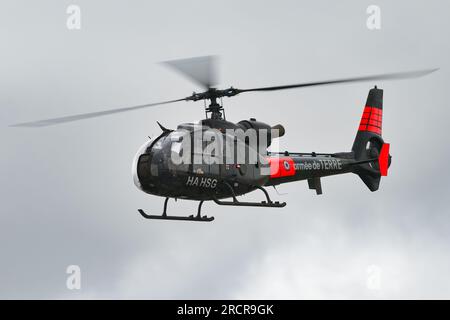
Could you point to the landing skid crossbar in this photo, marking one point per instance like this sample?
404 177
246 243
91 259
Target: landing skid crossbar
268 203
164 215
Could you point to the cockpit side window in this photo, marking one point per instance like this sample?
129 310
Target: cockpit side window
180 151
156 143
198 165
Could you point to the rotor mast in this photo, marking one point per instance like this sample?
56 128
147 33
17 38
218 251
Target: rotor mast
215 109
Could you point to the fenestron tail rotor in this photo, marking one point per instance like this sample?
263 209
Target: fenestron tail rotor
203 71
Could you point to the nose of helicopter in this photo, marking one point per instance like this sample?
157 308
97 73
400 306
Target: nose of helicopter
134 167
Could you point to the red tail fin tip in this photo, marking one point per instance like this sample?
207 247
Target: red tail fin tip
383 159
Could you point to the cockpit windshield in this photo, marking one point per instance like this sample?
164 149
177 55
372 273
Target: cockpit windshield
156 144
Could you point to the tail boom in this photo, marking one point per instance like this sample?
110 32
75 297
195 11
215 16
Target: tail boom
307 166
369 158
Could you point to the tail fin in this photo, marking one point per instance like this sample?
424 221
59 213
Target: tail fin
369 143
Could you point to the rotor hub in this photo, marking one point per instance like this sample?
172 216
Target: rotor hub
212 94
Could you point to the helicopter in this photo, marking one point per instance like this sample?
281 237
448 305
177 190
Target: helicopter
218 160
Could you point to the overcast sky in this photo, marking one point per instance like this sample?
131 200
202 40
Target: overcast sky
67 195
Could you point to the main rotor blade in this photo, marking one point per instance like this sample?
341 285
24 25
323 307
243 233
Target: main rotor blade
49 122
203 70
386 76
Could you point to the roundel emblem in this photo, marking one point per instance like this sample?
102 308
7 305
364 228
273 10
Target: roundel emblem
286 165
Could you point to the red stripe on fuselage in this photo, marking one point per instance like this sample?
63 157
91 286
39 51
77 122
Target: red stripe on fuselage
281 167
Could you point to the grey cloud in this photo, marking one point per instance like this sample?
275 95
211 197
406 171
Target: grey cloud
67 194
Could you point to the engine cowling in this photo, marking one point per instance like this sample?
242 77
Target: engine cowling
271 132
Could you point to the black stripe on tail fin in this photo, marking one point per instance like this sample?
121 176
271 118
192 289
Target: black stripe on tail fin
369 142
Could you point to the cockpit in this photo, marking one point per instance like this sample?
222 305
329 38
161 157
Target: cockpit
154 158
193 149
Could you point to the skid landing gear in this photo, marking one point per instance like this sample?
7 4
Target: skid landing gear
268 203
164 215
